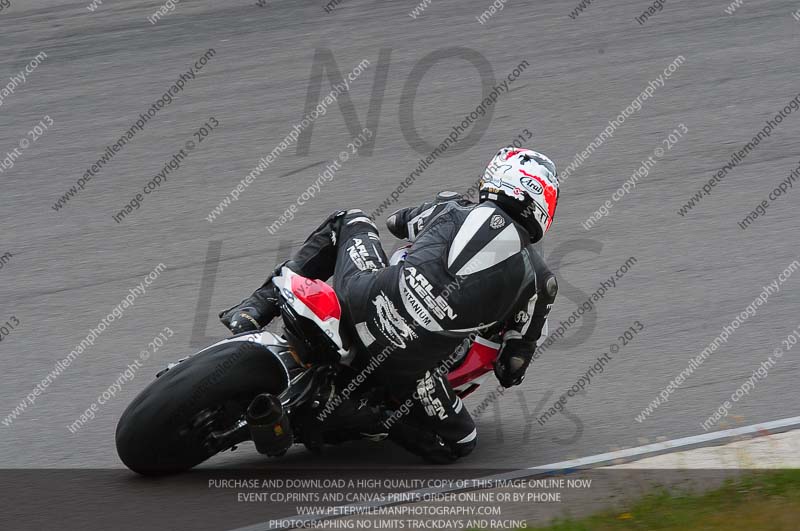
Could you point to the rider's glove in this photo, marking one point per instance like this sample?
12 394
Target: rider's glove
512 361
396 223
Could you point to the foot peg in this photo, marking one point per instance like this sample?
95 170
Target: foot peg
269 426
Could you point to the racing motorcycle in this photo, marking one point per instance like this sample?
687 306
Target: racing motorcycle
250 386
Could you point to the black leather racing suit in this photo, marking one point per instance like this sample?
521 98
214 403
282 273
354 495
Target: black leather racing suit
470 269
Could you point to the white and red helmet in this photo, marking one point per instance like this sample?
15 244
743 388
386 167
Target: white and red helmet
524 183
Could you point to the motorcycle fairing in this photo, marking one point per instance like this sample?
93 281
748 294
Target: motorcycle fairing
479 360
314 300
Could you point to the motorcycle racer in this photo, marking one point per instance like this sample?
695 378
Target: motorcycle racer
471 269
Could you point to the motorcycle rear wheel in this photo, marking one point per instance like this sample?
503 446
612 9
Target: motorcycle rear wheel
158 433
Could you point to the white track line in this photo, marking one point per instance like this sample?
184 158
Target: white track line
563 466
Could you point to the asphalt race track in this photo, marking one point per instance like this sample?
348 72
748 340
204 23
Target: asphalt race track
64 270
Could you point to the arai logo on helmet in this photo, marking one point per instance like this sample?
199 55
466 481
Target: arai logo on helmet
531 185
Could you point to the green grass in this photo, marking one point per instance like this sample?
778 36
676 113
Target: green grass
768 501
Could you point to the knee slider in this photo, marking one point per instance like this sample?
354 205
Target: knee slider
464 449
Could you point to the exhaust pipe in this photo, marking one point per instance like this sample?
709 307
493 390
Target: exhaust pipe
269 426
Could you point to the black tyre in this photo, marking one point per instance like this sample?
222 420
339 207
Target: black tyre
158 433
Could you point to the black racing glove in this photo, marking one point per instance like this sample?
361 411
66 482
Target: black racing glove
512 361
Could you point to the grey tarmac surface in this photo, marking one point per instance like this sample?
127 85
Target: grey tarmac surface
693 274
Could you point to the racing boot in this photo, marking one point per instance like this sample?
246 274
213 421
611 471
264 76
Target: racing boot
341 420
255 312
357 419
